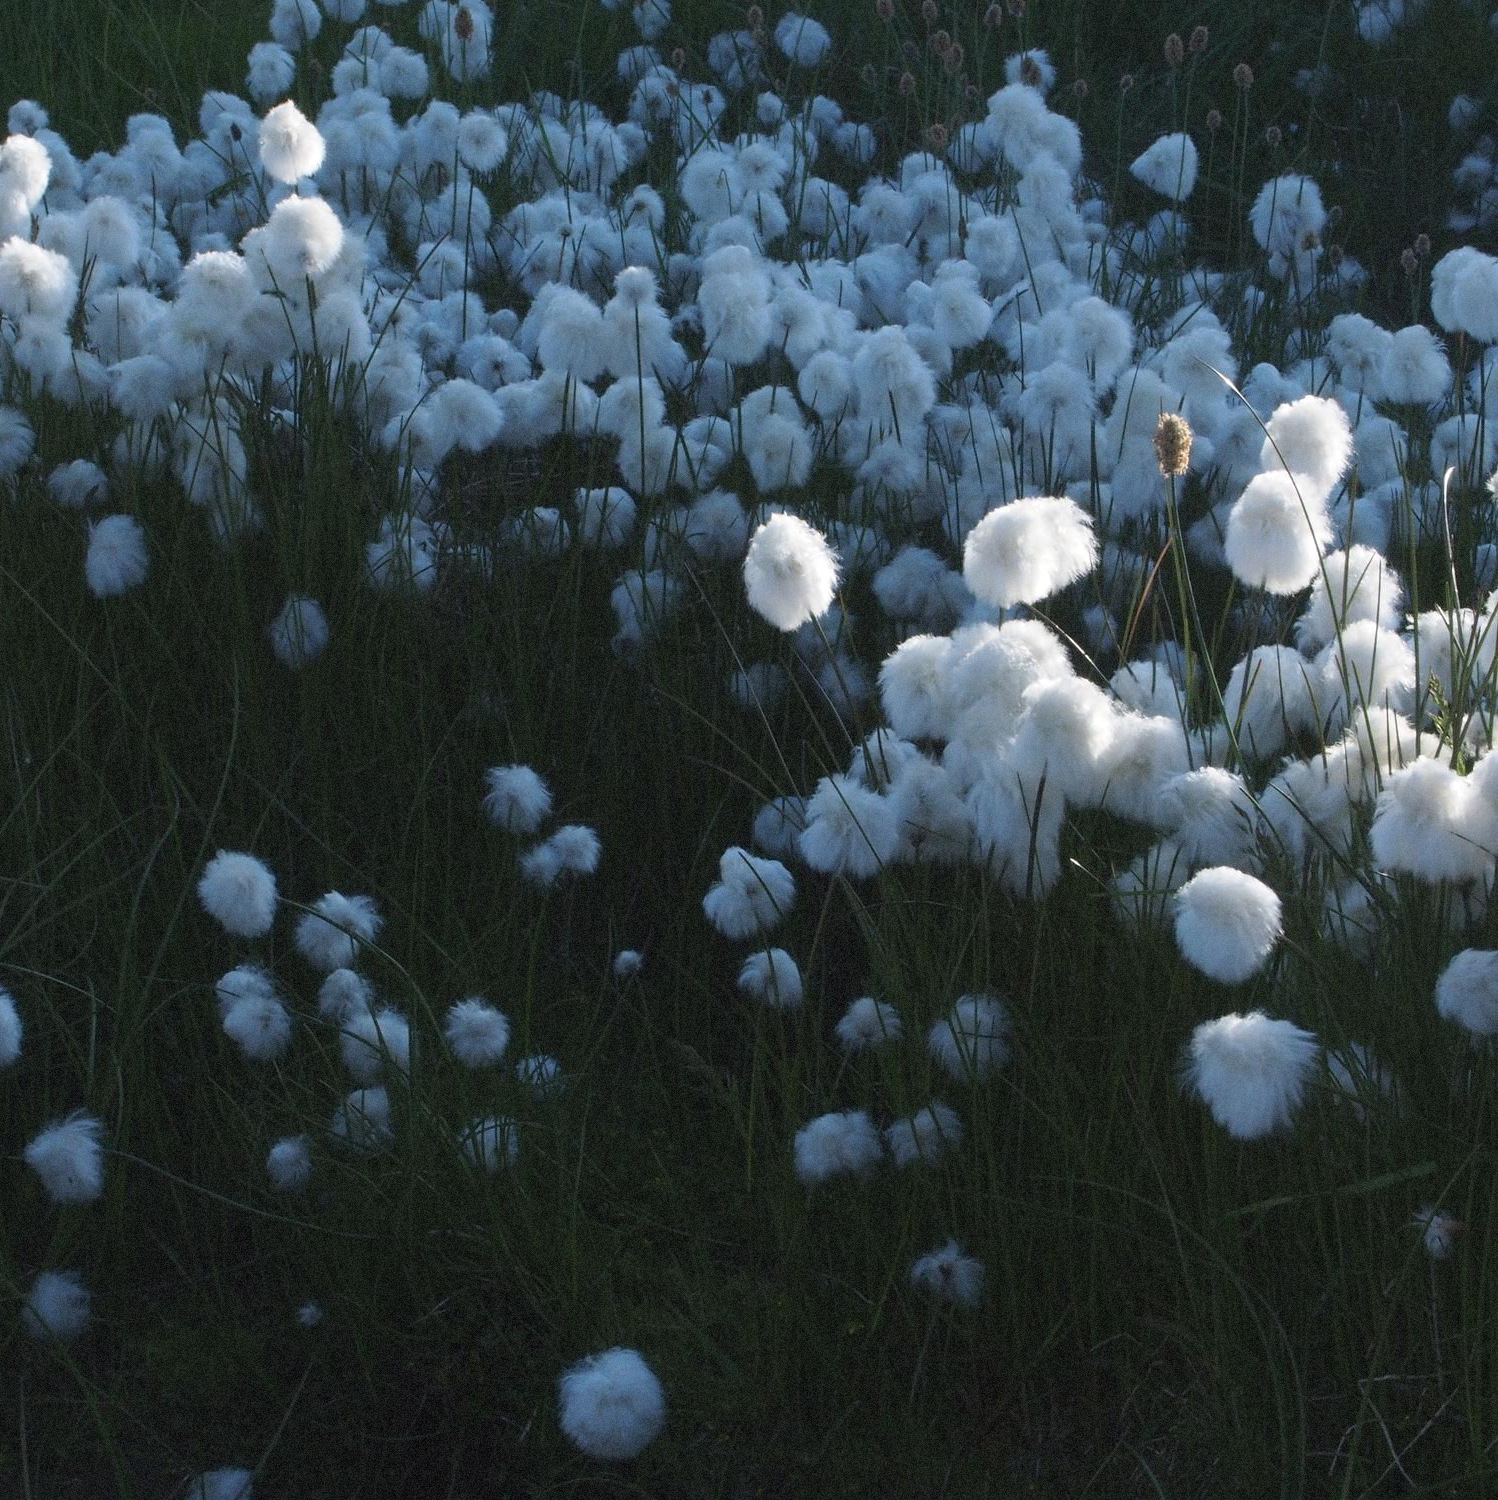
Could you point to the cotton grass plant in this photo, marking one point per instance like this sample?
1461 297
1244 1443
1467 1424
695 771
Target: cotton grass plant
658 688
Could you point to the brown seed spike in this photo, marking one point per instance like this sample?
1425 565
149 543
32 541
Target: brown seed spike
1173 444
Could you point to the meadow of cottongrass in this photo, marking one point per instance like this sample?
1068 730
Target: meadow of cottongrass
748 779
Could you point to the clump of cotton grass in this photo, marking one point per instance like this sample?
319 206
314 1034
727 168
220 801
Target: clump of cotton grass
1025 551
1227 923
973 1039
573 850
69 1159
117 560
611 1405
288 1164
58 1306
1438 1231
299 633
803 41
949 1275
850 830
516 798
477 1033
11 1029
371 1040
790 572
926 1136
1168 167
223 1484
490 1143
868 1023
541 1074
1251 1071
259 1024
331 934
239 892
772 978
1467 992
751 895
844 1142
291 146
362 1121
344 993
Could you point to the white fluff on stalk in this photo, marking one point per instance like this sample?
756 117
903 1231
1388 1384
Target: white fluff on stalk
1251 1071
1027 550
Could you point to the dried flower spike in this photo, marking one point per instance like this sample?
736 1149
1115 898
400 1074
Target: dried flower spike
1175 49
1173 444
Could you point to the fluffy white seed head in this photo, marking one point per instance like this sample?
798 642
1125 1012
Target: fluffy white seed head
69 1159
516 799
611 1405
117 560
1025 551
790 572
973 1040
477 1033
239 892
1168 167
772 978
926 1136
57 1306
1251 1071
1467 992
751 896
288 1164
329 936
843 1142
299 633
868 1023
11 1029
291 146
260 1026
949 1275
1226 924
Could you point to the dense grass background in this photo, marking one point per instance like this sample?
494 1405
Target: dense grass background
1168 1313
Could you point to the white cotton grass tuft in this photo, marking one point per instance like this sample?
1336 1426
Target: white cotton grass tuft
239 892
949 1275
299 633
288 1164
11 1029
223 1484
516 798
344 993
490 1143
259 1025
850 830
868 1023
1227 923
117 560
1276 534
611 1405
477 1033
1467 992
772 978
1438 1231
802 40
573 850
1251 1071
371 1039
1168 167
69 1159
842 1143
362 1121
291 146
1312 438
926 1136
541 1074
751 895
1025 551
58 1306
790 572
330 935
973 1039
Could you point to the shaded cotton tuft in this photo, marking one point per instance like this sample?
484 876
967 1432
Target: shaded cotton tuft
1251 1071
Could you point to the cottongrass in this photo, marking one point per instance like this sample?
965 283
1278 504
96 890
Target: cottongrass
612 1405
